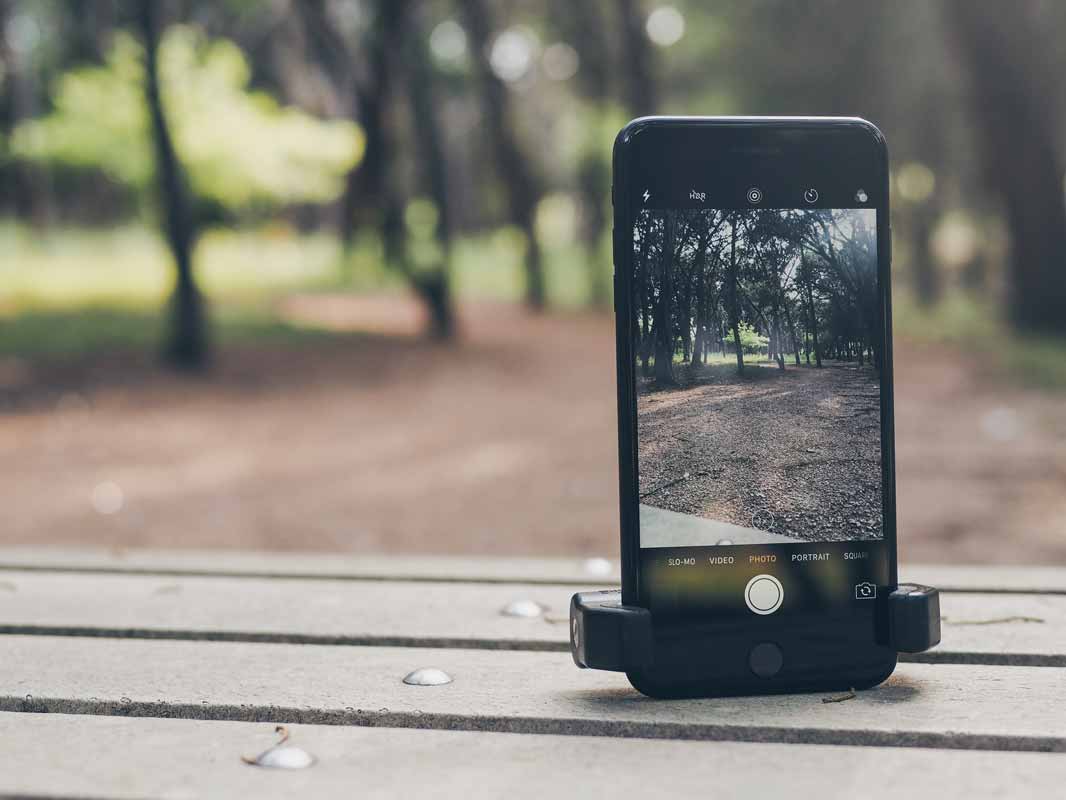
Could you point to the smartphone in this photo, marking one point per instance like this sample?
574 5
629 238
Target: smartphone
754 356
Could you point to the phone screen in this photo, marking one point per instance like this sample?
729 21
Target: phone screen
758 365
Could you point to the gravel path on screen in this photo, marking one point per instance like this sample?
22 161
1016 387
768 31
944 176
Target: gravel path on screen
794 452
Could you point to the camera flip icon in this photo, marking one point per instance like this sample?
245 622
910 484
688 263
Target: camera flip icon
865 591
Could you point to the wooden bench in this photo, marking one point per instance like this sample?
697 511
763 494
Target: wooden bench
150 675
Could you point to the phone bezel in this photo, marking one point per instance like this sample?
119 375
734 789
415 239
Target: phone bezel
767 129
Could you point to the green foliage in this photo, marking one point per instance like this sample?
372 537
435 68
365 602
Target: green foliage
240 147
730 359
111 282
73 268
752 342
46 334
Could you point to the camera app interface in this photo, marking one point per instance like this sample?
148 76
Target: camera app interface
758 351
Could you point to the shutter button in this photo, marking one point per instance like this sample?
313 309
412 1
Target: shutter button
764 594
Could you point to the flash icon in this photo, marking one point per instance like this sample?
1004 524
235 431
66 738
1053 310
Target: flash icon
647 194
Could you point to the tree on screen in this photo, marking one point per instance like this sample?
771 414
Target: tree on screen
755 286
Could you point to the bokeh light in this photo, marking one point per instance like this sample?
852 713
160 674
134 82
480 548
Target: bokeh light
560 61
448 43
915 182
513 53
665 26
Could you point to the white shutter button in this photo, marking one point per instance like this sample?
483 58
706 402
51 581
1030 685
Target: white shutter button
764 594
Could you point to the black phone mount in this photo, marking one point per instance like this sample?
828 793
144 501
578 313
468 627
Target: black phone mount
605 634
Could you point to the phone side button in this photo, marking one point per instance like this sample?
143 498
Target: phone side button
766 659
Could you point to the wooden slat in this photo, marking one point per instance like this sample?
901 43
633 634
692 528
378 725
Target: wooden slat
1019 629
1008 579
576 571
568 571
922 705
1028 630
293 610
137 758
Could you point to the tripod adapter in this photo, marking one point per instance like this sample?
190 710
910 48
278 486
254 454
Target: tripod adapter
605 634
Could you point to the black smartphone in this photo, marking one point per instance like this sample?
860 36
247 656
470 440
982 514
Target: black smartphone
755 401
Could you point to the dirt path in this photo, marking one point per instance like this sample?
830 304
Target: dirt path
505 444
795 453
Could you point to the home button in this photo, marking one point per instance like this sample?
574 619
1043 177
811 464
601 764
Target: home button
766 659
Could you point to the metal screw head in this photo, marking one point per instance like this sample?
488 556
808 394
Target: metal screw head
282 755
527 609
285 757
427 676
597 566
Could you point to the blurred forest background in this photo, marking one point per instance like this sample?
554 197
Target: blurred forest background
335 274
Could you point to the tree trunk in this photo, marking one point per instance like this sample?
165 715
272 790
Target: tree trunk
394 31
1006 54
812 319
932 134
640 297
649 350
29 189
187 346
664 334
593 175
92 24
391 200
690 348
514 167
582 24
792 331
779 341
701 313
734 289
364 104
640 89
435 288
366 184
926 274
